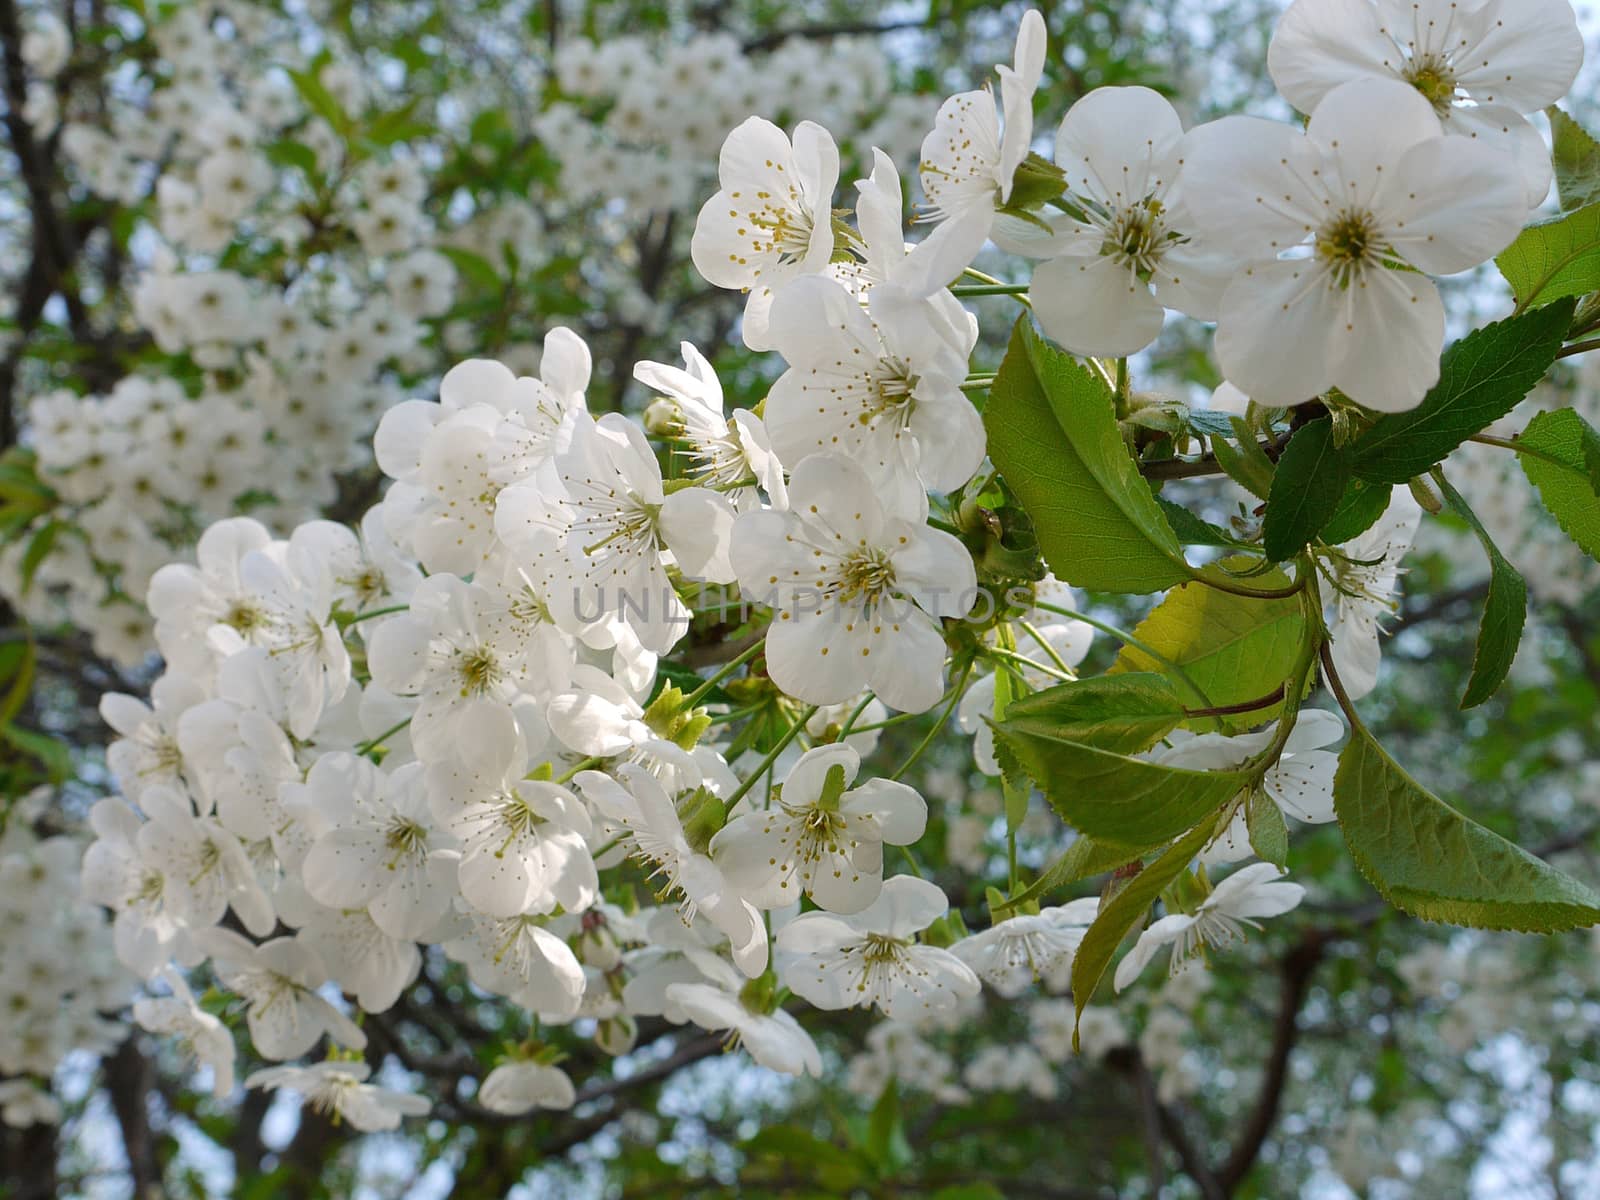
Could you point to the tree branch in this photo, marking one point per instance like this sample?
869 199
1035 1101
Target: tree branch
129 1080
1294 978
771 41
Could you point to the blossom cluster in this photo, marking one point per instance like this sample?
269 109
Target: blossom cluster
60 981
459 731
639 122
297 275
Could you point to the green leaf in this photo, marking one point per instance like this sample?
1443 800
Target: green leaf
1085 857
1247 463
829 1164
1126 713
286 153
51 753
397 126
1052 430
1504 611
1306 490
1576 159
477 269
1429 860
1481 378
1363 503
883 1126
1269 835
1565 467
319 99
1191 530
17 663
37 550
1233 648
1554 258
1119 914
1130 801
1210 422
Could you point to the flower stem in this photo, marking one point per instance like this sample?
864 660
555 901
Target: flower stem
378 612
938 725
1023 660
772 756
989 289
584 765
727 669
850 721
1046 647
368 747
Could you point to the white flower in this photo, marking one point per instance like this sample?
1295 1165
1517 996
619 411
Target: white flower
883 391
602 718
730 454
605 503
1364 578
24 1103
187 600
873 958
1011 954
295 593
378 845
520 959
1370 190
1249 893
1300 782
368 571
524 850
278 981
774 1038
644 809
339 1089
857 586
772 218
361 958
46 45
460 650
205 869
177 1016
149 928
514 1088
820 836
1482 65
146 754
1121 149
969 164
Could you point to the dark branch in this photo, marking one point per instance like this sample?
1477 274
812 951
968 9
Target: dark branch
771 41
1294 978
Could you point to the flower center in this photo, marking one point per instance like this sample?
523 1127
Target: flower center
247 618
893 395
405 838
866 574
880 949
1136 236
516 817
478 671
1433 76
1348 243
